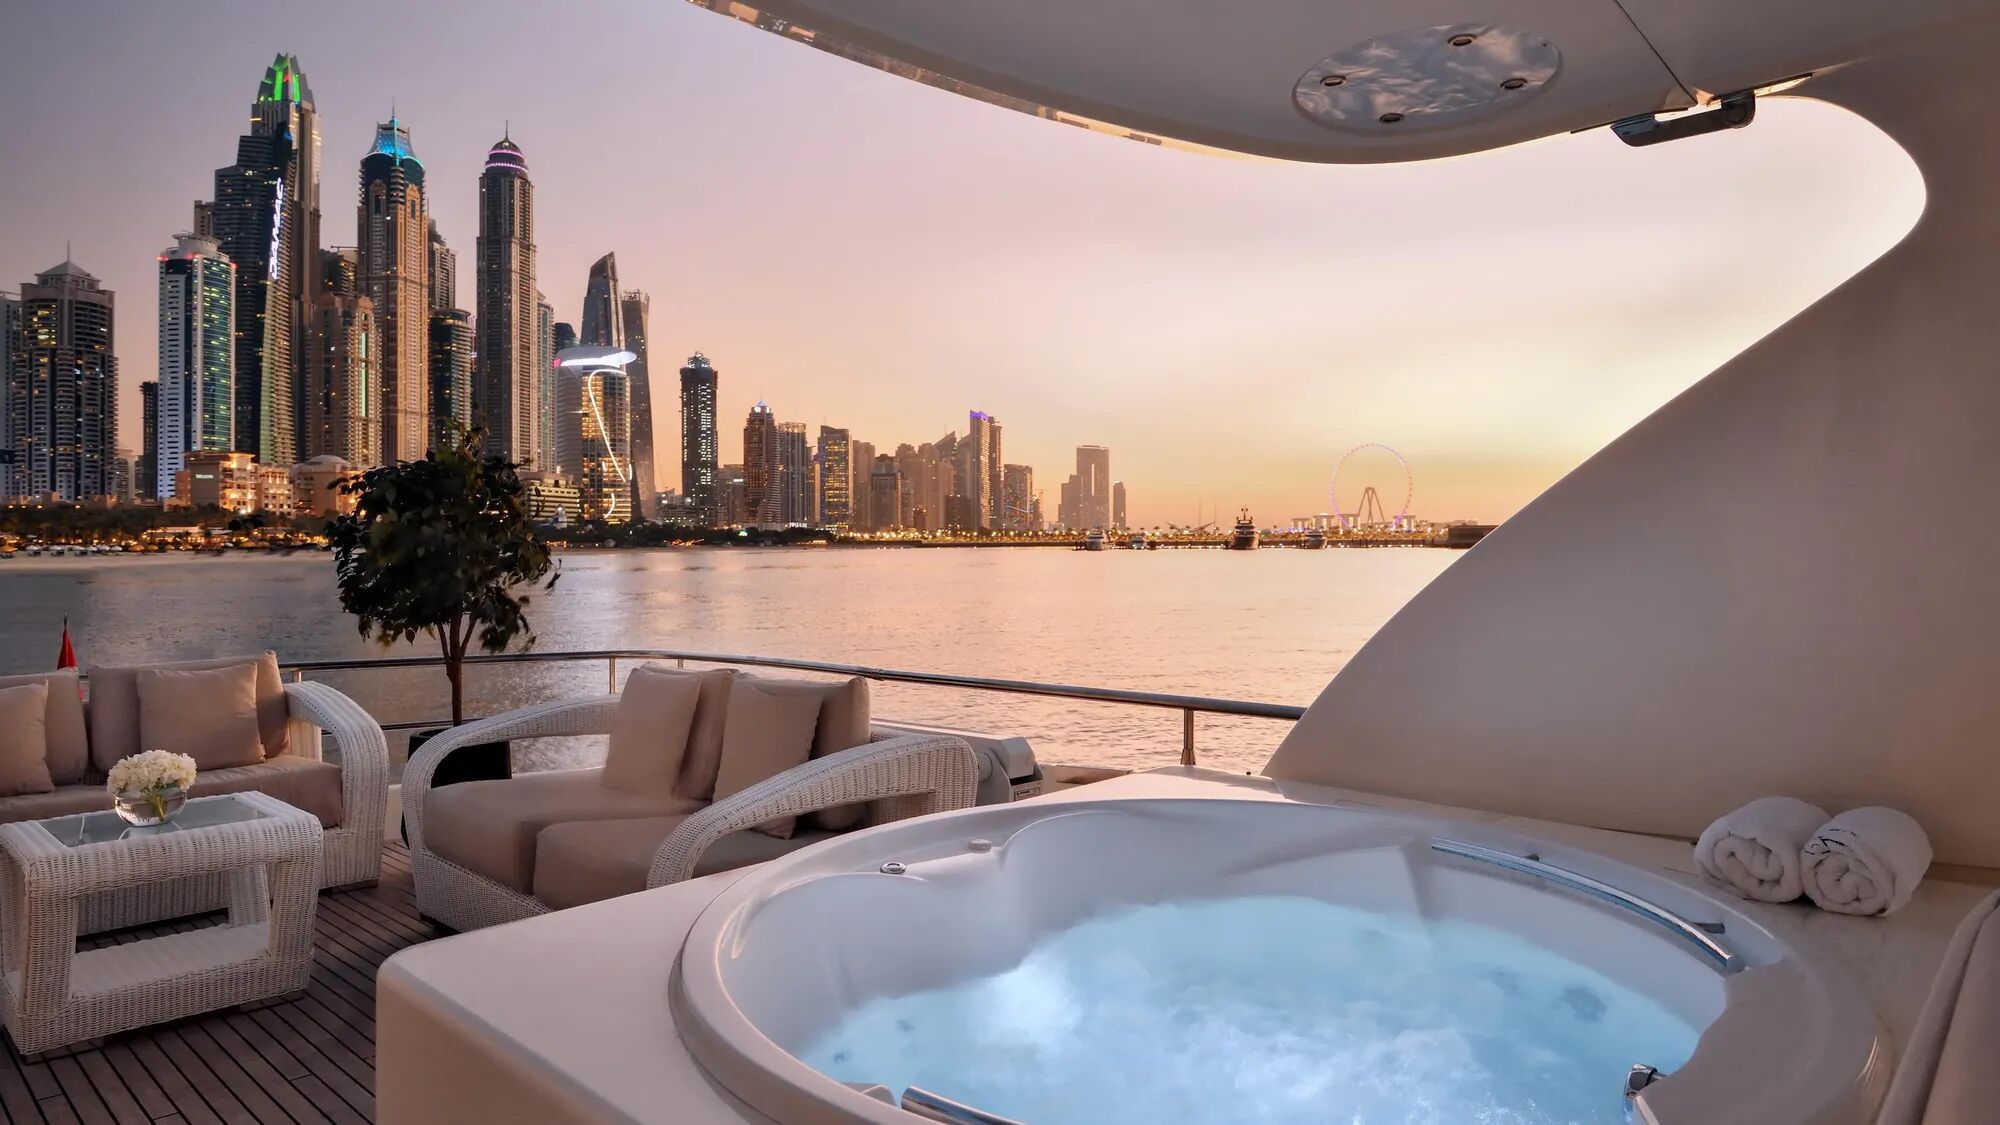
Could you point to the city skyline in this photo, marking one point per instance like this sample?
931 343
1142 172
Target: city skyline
1229 326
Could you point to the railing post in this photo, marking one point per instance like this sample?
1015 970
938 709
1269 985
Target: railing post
1187 736
611 665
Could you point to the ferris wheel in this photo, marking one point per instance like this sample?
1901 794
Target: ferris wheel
1370 509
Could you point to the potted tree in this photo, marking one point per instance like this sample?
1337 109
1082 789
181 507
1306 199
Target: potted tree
443 547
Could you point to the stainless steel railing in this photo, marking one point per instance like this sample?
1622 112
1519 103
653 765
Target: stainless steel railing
1188 705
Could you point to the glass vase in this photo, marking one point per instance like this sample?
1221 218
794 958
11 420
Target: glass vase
146 807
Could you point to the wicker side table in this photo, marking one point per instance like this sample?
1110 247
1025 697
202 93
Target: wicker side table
53 996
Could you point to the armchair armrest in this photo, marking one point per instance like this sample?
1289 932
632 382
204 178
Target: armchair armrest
364 751
911 775
543 720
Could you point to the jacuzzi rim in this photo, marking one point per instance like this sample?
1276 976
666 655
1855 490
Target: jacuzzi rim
764 1075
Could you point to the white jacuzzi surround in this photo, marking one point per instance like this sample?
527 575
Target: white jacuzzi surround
1790 1039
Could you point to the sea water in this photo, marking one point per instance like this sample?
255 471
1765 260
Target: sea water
1270 1009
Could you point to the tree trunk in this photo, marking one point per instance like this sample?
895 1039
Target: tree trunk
454 670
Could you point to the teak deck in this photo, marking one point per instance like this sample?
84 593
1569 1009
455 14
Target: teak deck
301 1061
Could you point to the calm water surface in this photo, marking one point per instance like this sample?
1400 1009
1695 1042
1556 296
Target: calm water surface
1271 626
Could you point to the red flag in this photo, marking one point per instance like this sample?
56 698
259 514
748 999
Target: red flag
68 657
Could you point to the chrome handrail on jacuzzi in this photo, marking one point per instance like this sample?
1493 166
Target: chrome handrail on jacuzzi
1680 927
937 1107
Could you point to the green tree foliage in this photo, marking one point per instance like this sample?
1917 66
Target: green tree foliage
441 546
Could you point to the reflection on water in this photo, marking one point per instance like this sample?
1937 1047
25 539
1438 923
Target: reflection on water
1270 626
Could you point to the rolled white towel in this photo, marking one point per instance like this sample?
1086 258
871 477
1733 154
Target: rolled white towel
1754 851
1866 861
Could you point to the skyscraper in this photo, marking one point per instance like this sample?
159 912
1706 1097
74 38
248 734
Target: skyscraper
1093 473
145 480
451 372
62 392
543 384
602 323
861 455
392 259
885 492
762 500
909 472
440 271
342 392
1017 498
266 217
197 382
699 446
509 372
979 469
836 478
795 475
595 403
10 345
1118 505
338 272
633 309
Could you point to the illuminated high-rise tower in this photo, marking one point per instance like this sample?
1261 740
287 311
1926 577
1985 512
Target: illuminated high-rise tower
763 492
197 385
393 261
836 477
266 217
699 460
62 390
633 308
511 369
544 383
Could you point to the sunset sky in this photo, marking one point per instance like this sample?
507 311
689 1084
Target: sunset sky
863 251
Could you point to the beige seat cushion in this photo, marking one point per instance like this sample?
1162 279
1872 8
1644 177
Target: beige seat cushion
24 742
585 861
704 747
768 732
303 783
649 733
490 826
114 706
210 716
844 723
69 739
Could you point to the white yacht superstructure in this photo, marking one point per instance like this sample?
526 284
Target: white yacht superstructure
1574 700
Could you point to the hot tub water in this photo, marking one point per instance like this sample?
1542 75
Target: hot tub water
1269 1009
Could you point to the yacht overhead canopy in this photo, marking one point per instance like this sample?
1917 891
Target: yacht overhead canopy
1341 81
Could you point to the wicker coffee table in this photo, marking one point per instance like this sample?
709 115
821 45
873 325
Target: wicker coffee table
268 852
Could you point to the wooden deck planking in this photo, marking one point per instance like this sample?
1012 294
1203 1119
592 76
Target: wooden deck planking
309 1061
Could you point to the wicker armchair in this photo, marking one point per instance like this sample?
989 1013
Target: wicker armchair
898 775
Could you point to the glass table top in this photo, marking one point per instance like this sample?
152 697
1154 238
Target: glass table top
103 827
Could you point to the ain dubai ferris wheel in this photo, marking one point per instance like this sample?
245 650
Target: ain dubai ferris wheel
1371 477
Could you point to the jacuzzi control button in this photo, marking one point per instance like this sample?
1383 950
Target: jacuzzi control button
893 868
981 846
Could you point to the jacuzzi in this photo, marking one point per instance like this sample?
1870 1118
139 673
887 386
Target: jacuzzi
1169 961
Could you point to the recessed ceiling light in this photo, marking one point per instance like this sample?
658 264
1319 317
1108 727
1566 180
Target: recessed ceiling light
1514 83
1462 39
1390 118
1332 80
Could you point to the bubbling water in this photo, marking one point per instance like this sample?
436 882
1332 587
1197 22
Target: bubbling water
1262 1010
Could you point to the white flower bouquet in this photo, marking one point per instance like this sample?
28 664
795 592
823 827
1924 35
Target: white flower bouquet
154 780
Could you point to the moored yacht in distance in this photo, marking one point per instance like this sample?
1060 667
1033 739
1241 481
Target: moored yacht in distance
1493 802
1094 540
1244 536
1315 539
